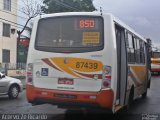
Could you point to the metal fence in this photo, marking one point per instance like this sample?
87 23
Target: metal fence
13 66
13 69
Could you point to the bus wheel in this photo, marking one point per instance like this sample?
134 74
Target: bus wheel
130 99
144 94
149 84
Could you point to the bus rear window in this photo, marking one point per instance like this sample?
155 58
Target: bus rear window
72 34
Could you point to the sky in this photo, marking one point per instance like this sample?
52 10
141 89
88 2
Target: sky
141 15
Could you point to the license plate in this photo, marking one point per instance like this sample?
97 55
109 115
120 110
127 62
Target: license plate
65 96
65 81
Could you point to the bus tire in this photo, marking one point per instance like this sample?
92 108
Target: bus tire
130 99
149 84
144 94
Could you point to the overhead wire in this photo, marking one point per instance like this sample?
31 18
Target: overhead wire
11 22
12 6
66 5
58 2
13 14
14 25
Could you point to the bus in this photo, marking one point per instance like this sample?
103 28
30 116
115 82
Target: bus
155 62
86 60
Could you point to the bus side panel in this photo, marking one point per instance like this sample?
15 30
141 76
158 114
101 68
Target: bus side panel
137 77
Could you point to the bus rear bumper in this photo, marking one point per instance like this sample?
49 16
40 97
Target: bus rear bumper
102 99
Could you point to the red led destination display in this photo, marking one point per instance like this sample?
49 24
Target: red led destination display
87 24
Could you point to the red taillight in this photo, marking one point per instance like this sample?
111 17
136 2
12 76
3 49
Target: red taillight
29 80
108 77
105 84
30 73
106 80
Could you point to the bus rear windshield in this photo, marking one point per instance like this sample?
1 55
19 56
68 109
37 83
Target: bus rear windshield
72 34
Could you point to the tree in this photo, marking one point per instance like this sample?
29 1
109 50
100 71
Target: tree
53 6
29 29
31 9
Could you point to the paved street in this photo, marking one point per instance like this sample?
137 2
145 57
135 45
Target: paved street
151 103
140 106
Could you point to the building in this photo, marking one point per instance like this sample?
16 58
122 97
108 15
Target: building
8 31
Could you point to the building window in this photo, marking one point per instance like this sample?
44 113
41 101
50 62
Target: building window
6 56
7 5
6 29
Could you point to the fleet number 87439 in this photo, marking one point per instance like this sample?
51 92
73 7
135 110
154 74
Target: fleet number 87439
88 65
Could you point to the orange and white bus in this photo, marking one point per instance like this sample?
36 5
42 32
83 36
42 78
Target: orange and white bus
86 60
155 62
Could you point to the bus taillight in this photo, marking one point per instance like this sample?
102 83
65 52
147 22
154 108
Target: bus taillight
29 80
106 80
30 73
105 84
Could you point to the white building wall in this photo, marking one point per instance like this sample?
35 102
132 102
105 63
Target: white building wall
9 43
1 42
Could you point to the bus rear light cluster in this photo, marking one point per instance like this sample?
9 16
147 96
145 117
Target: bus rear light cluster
30 73
29 80
105 84
106 79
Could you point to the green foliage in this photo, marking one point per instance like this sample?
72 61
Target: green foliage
54 6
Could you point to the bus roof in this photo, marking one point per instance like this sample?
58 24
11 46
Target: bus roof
128 28
115 19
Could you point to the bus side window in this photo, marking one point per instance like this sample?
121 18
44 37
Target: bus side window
137 50
130 48
142 52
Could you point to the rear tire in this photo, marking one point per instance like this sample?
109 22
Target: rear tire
13 92
130 99
149 84
144 95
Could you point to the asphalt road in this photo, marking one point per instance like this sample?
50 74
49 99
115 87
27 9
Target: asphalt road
149 106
